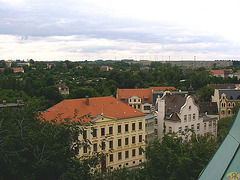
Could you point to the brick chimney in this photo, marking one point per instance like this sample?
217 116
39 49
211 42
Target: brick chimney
4 102
87 100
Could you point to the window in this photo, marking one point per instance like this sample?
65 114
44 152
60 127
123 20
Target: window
133 140
214 123
119 128
146 107
126 141
140 125
133 152
194 117
170 129
85 149
192 126
231 97
130 100
126 164
111 144
233 104
95 147
85 134
103 145
134 100
229 104
123 100
126 154
198 126
156 121
133 162
110 130
140 151
140 138
102 131
126 127
135 106
119 155
94 132
138 106
210 123
138 100
229 111
186 128
119 142
189 107
111 157
185 118
180 129
189 117
205 125
133 126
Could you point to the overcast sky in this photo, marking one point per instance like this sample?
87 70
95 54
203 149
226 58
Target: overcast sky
110 29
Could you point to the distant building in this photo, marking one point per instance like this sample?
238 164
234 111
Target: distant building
217 73
105 68
226 100
18 104
140 99
62 88
113 127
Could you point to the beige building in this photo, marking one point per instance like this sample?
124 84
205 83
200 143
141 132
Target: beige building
226 100
113 128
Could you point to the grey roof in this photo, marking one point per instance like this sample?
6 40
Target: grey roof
231 94
208 107
226 160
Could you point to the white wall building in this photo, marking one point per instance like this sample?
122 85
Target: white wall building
179 114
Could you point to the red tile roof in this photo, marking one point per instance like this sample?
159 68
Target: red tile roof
217 71
107 106
142 93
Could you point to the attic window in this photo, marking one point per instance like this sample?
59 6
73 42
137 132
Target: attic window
124 113
116 114
117 102
66 107
104 104
94 104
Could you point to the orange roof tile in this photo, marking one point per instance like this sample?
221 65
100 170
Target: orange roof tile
217 71
142 93
107 106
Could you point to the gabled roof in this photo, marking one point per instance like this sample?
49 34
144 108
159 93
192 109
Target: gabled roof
173 103
225 162
142 93
107 106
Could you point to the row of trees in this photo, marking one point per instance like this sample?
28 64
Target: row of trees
40 82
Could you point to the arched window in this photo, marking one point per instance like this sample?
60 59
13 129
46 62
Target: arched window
229 104
229 111
233 104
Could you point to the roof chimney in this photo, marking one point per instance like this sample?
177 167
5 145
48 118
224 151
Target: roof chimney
87 100
4 102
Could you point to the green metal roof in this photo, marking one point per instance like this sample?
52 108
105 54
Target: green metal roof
225 164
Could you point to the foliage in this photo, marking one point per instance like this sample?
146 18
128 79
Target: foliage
206 93
223 127
32 148
172 159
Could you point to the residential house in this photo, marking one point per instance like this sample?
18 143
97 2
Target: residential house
217 73
62 88
226 100
105 68
178 114
122 126
140 99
